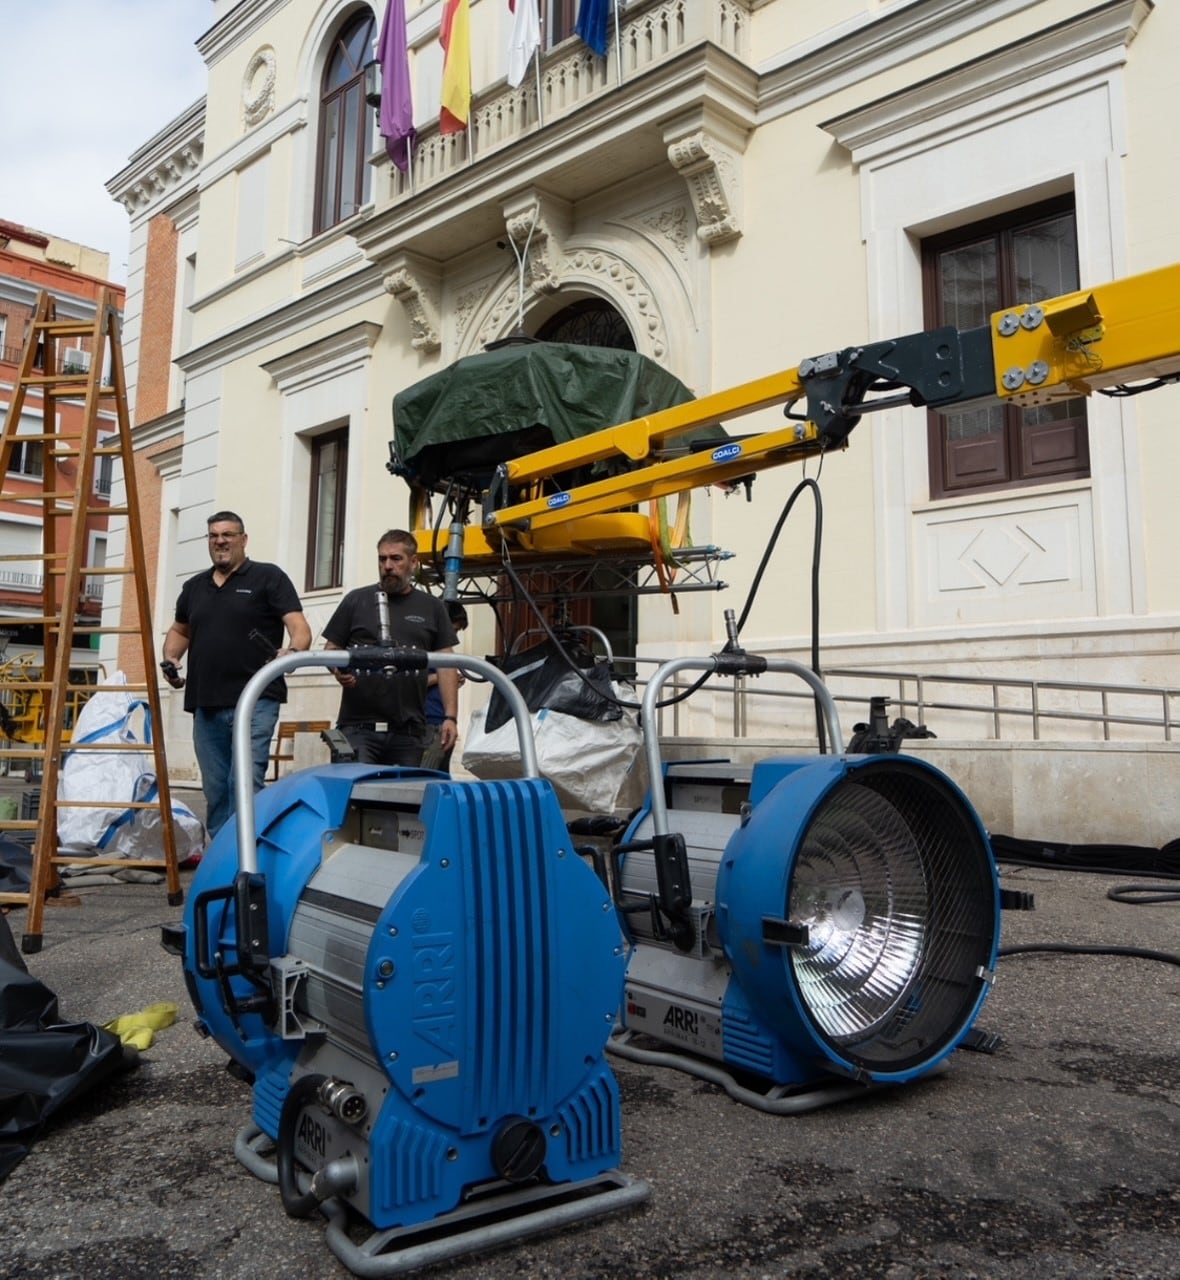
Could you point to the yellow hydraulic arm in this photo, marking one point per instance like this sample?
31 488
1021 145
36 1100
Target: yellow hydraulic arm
1076 344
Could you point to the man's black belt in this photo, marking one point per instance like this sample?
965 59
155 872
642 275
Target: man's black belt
380 726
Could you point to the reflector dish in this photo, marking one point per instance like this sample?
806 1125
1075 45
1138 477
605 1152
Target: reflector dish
859 886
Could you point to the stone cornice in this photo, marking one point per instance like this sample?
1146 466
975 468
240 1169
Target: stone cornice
1105 30
340 295
165 168
158 430
322 359
243 20
859 50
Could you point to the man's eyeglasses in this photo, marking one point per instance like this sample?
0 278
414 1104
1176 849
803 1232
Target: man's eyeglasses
223 537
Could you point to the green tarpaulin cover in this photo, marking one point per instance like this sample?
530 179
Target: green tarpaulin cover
501 404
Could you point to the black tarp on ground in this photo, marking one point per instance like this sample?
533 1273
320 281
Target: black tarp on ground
44 1063
16 865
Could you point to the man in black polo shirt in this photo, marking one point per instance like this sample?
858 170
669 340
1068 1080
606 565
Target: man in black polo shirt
215 614
382 714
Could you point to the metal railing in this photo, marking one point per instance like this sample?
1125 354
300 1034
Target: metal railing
913 697
1047 709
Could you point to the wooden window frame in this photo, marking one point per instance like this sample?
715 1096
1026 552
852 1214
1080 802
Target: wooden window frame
1025 453
23 452
363 121
318 444
560 18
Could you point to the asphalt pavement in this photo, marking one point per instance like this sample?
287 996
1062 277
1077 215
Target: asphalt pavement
1055 1156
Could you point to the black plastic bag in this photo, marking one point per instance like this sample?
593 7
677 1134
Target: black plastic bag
44 1063
546 682
16 865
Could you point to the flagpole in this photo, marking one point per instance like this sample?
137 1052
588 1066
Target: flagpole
618 42
540 106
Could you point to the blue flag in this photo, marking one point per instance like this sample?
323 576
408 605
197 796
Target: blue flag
591 24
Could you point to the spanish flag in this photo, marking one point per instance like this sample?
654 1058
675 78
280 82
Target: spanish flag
454 34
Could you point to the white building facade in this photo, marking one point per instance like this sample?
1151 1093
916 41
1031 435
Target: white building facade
739 184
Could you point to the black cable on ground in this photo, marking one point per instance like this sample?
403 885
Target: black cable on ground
1097 859
1070 949
1142 895
1107 859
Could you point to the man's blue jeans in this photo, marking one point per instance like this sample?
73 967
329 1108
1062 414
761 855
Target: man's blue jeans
213 743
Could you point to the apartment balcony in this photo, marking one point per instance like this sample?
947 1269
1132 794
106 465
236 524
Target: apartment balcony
18 583
676 94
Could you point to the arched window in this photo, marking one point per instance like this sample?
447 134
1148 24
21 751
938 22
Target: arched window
346 125
589 323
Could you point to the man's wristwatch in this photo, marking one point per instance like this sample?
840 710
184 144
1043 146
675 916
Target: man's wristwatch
451 719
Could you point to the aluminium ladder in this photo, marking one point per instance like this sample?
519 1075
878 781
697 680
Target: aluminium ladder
65 512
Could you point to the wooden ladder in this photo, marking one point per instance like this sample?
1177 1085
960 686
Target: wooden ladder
64 513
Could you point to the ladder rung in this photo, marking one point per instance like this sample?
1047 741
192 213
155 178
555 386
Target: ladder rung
59 495
20 824
145 747
64 328
81 860
107 804
66 393
93 571
47 381
89 688
34 500
90 631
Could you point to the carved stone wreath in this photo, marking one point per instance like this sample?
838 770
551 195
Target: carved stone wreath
258 86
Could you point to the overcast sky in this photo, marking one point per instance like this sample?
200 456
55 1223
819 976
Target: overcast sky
83 84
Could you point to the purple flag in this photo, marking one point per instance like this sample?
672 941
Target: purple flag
591 24
397 104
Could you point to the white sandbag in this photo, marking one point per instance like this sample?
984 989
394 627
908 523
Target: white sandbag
118 778
594 765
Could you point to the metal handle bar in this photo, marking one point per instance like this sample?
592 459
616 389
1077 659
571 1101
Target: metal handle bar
717 663
369 658
599 635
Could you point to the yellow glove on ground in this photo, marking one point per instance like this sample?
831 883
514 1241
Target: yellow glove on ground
139 1029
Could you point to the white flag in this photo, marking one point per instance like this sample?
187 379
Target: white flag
526 37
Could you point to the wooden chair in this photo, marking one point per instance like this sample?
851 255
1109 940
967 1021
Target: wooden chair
284 743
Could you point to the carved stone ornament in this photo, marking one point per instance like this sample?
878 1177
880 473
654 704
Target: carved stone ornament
532 237
711 172
258 87
409 287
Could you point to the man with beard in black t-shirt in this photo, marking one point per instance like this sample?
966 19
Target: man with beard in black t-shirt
382 714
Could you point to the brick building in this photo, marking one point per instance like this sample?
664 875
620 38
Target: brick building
32 261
